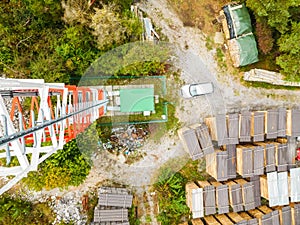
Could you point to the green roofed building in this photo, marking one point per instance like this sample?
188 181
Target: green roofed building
136 100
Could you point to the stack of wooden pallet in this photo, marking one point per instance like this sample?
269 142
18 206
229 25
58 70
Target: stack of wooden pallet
196 140
263 215
208 198
281 188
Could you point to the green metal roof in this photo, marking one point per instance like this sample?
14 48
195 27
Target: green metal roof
248 49
137 100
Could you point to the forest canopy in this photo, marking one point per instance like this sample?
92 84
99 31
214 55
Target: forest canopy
56 40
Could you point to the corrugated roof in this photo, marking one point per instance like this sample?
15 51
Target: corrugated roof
118 200
108 215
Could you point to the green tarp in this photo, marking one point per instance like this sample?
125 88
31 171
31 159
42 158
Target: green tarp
247 49
137 100
241 20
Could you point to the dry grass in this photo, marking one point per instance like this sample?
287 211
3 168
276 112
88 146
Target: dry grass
199 13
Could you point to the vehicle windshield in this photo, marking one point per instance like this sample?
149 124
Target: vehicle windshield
193 90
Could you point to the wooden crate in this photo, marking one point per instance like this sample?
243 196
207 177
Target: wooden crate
211 220
209 197
235 196
257 194
231 166
269 156
217 165
223 219
294 184
222 198
190 142
233 128
247 193
197 222
274 187
257 126
218 128
282 157
245 126
244 163
282 122
194 199
204 138
258 160
285 215
271 123
293 118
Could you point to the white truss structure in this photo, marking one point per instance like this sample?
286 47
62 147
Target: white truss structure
67 112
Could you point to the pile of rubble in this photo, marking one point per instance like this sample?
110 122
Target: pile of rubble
126 139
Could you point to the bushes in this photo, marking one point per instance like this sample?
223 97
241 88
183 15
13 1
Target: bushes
15 211
64 168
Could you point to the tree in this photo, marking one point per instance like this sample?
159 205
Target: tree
290 48
276 12
264 36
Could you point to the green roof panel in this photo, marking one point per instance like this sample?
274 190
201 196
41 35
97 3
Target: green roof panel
248 50
241 18
137 100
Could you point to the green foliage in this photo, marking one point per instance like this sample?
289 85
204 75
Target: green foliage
289 60
132 217
64 168
264 36
171 197
276 12
15 211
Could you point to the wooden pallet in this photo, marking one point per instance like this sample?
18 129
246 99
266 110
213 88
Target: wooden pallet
217 165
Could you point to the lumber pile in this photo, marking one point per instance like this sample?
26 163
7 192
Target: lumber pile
244 163
235 196
190 142
218 128
293 118
257 126
245 126
271 124
274 187
233 128
222 199
194 199
231 161
209 197
217 165
196 140
269 156
247 193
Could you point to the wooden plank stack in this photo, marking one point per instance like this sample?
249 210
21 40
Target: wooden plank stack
293 118
233 128
274 187
244 164
194 199
271 124
282 115
231 161
269 156
218 128
209 197
204 138
245 126
235 196
190 142
247 193
222 198
257 193
217 165
295 184
257 126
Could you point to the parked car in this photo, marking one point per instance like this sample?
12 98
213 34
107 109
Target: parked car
193 90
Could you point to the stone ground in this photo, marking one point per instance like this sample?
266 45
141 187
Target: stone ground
197 65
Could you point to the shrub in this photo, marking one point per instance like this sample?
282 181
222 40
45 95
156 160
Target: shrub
264 36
